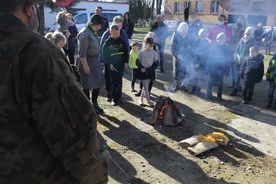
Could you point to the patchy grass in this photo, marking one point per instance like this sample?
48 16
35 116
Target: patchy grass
141 30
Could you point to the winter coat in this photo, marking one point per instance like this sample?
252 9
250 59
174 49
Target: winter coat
150 71
271 71
128 27
252 69
48 127
219 60
242 49
200 53
215 30
72 40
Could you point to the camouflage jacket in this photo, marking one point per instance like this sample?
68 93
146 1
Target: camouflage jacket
47 126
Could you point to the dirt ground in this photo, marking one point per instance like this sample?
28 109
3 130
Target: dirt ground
142 153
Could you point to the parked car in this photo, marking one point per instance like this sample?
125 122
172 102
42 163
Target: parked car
82 17
172 25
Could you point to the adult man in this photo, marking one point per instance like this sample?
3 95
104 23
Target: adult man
161 31
105 25
47 125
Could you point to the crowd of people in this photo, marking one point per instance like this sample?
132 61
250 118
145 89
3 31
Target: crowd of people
47 137
219 52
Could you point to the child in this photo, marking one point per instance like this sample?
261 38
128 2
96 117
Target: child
115 55
59 40
252 71
271 78
218 65
133 55
147 62
200 55
153 35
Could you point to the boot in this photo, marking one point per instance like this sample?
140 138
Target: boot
234 92
194 89
97 108
269 104
219 96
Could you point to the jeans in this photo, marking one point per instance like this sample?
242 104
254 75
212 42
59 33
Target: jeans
248 91
215 79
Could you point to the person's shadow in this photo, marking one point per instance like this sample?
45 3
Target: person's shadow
128 139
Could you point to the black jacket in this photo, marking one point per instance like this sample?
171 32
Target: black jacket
252 69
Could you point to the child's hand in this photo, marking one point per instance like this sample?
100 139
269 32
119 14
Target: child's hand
112 68
143 70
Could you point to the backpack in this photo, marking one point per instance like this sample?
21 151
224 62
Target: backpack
165 113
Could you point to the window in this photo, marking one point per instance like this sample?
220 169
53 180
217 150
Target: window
176 7
81 19
199 6
214 6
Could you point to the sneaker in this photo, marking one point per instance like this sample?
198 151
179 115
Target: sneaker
113 103
244 101
132 90
140 102
151 104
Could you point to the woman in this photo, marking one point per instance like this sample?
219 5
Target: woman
128 26
88 61
181 50
71 44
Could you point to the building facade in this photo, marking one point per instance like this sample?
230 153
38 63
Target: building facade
255 11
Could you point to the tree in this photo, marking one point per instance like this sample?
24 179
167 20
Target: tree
53 7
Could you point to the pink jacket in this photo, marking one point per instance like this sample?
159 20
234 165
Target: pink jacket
215 30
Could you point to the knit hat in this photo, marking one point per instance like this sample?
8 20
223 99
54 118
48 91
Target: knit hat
249 30
96 20
221 36
202 32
